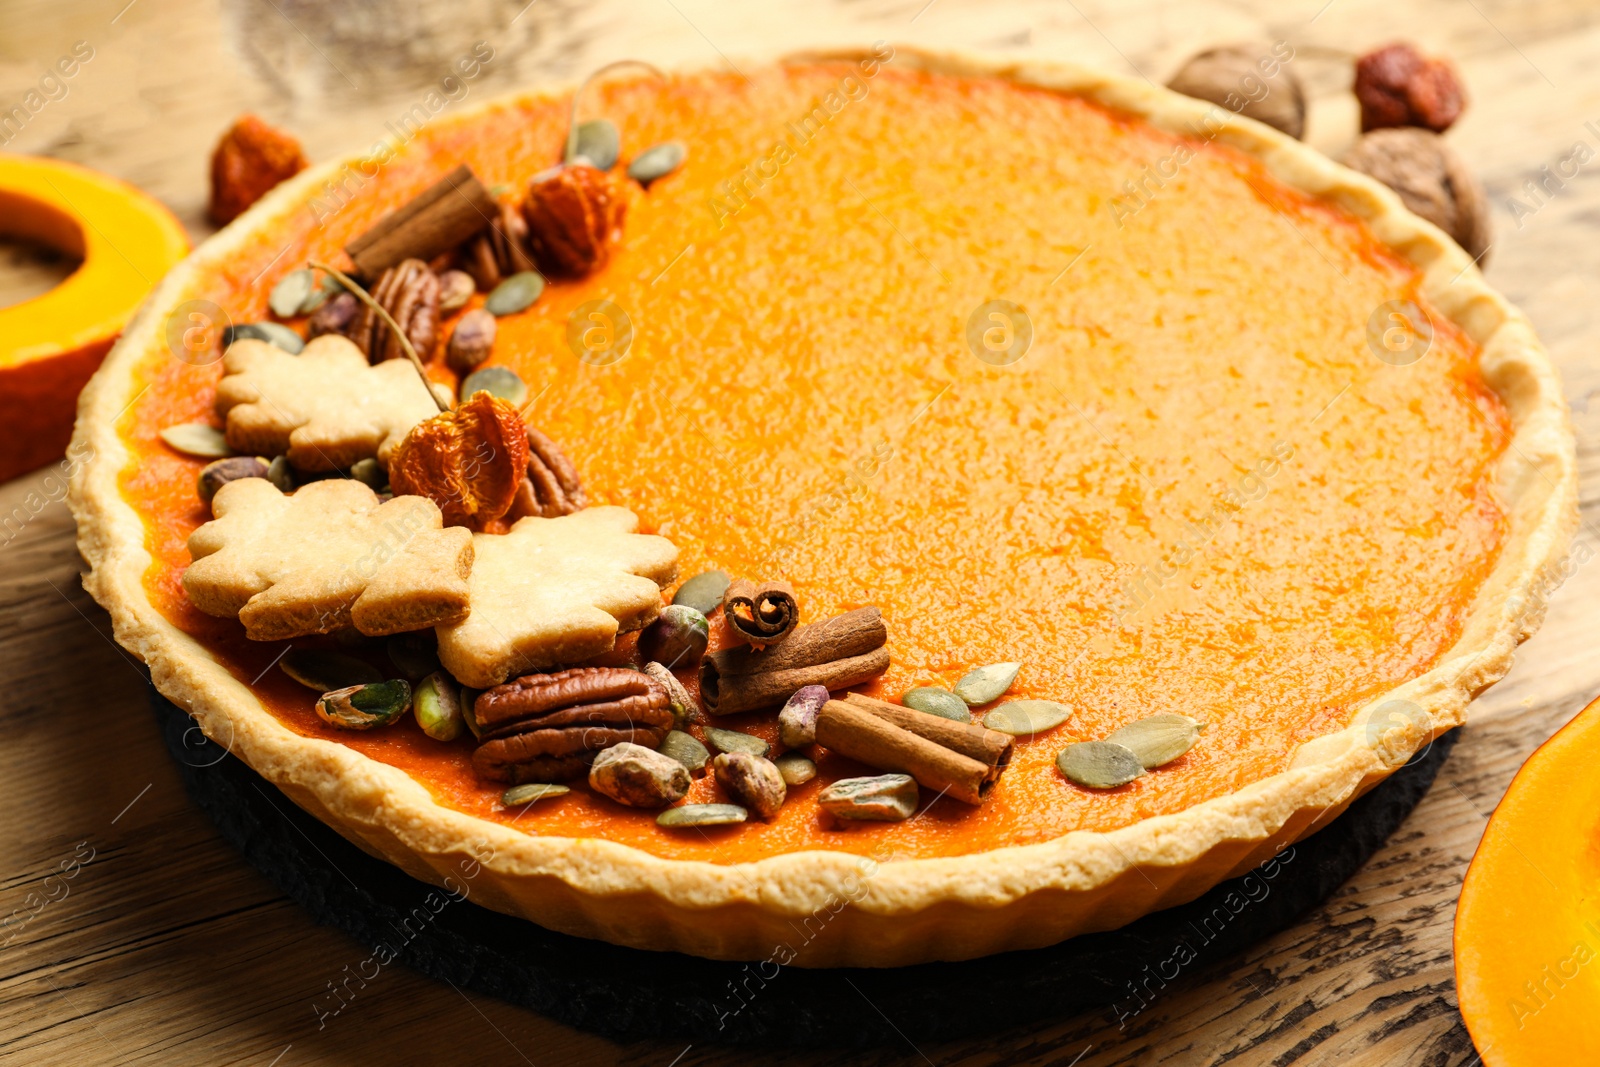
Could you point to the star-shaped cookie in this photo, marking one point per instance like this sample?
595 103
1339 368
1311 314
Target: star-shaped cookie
328 557
554 591
325 408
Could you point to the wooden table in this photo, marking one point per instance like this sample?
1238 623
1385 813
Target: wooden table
168 948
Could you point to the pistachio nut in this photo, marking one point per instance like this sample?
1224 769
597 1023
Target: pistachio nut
365 707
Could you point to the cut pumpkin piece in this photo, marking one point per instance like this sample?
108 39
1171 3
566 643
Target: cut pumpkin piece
50 345
1527 935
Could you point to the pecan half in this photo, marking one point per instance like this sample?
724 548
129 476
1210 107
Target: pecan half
501 251
574 214
250 159
550 727
551 487
469 461
408 291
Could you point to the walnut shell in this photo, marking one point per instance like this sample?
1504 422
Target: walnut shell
1431 180
1235 77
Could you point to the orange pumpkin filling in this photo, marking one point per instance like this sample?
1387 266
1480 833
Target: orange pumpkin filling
1197 491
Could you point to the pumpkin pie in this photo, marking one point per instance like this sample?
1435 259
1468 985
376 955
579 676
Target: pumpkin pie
1049 367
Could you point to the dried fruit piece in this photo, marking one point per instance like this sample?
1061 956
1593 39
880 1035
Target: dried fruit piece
250 159
471 341
1022 718
1158 739
469 461
437 703
574 214
214 476
797 722
882 798
936 701
987 683
702 815
751 780
1399 86
1099 764
409 292
639 777
365 707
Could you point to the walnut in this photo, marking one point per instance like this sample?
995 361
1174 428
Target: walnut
1399 86
1430 179
1247 79
574 214
549 727
250 159
409 292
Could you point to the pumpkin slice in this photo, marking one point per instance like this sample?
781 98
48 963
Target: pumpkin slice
1527 936
50 345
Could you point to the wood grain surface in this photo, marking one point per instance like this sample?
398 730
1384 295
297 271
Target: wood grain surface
166 947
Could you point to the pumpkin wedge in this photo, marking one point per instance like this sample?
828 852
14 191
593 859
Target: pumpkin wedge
1527 934
50 345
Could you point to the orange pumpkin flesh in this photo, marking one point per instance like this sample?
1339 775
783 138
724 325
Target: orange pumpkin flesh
50 345
800 388
1527 934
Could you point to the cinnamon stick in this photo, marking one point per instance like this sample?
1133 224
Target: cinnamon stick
454 209
839 652
761 613
853 731
989 747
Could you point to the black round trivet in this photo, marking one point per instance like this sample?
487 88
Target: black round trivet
628 993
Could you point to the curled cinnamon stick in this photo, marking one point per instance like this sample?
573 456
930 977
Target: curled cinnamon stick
839 652
989 747
448 212
854 731
761 613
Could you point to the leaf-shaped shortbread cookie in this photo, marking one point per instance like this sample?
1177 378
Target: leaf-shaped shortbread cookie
325 408
328 557
553 591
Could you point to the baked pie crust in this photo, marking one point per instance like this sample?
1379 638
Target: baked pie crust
879 911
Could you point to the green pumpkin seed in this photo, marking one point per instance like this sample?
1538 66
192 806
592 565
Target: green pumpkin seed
1099 764
280 474
657 162
1021 718
516 293
365 707
987 683
935 701
702 815
599 142
703 592
325 671
496 381
526 794
795 768
734 741
274 333
291 293
686 750
1158 739
884 798
197 439
437 706
325 289
370 473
